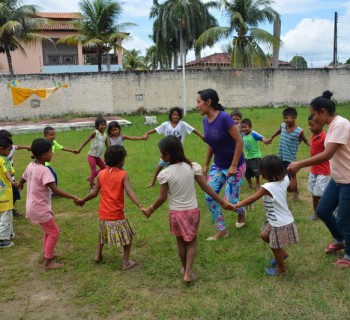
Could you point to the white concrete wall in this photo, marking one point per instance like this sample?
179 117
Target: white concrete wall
118 93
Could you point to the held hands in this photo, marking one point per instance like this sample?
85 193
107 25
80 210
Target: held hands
267 141
76 151
145 137
293 167
147 211
79 202
228 206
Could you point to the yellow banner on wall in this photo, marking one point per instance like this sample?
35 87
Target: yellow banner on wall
20 95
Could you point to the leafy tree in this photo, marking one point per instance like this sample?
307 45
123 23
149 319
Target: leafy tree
347 61
298 62
244 16
98 29
178 23
17 25
157 59
133 61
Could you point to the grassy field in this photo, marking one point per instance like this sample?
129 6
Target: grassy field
232 283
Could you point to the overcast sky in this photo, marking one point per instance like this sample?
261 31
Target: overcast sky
307 27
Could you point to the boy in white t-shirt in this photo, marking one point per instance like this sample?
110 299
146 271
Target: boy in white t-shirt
174 127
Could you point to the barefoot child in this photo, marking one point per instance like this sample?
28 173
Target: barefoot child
115 136
291 136
98 140
114 228
175 127
177 180
280 229
40 184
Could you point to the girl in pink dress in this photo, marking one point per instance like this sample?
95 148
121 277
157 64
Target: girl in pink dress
40 185
177 180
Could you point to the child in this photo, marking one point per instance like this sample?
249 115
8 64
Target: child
50 135
115 136
280 229
114 228
176 127
40 184
177 180
252 152
291 136
6 194
236 115
15 191
319 175
98 140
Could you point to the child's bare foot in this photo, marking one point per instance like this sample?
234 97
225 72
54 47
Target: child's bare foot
241 219
189 278
218 235
128 265
98 258
150 184
51 265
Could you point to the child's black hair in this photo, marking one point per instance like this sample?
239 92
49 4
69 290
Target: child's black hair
290 112
5 133
47 130
40 146
5 142
247 122
98 121
172 146
272 168
213 96
114 155
324 102
175 109
112 125
237 113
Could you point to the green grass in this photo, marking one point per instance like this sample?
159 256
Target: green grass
232 283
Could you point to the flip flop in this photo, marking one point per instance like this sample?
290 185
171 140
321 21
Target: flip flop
334 246
215 239
343 263
241 224
273 262
53 266
273 272
313 218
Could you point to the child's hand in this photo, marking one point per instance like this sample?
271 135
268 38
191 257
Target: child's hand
79 202
76 151
267 141
145 137
18 186
228 206
146 212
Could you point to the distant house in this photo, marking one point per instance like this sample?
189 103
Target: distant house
44 57
221 61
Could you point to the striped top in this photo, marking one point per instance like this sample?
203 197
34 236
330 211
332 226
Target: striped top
289 143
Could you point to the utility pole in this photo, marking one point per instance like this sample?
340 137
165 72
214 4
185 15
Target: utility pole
335 45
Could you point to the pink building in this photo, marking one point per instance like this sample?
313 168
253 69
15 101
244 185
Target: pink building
43 57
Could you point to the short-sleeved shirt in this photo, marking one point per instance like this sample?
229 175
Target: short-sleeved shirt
180 131
251 145
216 134
97 144
289 143
6 195
38 204
111 185
339 132
180 179
316 147
55 146
276 207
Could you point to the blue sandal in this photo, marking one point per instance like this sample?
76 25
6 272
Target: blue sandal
273 262
273 272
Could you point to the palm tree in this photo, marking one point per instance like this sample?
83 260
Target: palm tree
17 25
98 29
244 17
178 23
133 61
156 58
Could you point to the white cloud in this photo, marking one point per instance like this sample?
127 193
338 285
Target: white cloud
56 6
304 6
137 43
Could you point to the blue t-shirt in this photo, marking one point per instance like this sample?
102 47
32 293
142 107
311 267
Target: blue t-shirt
217 135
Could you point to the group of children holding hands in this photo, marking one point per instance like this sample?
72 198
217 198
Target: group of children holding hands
176 175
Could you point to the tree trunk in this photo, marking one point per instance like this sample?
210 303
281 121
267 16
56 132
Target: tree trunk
277 34
9 61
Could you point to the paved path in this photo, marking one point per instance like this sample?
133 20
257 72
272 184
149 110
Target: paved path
18 127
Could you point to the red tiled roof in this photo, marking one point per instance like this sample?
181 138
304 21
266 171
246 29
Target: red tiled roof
60 15
213 59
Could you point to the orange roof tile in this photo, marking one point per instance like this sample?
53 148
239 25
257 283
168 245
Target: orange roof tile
60 15
213 59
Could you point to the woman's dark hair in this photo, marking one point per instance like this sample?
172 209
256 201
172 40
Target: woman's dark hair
324 102
112 125
272 168
175 109
114 155
40 146
98 121
5 133
172 146
213 96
